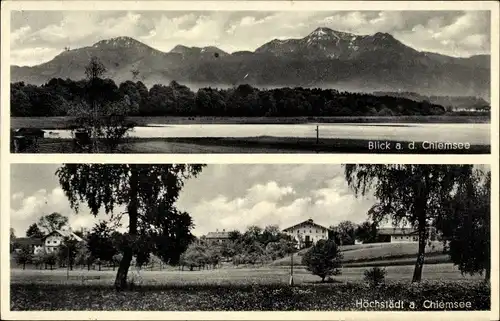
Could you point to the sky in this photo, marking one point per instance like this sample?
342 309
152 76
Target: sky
38 36
230 196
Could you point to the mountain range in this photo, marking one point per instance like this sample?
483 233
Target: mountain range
325 58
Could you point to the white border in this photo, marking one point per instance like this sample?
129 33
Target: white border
6 158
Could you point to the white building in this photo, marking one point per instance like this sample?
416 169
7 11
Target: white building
54 239
399 235
307 232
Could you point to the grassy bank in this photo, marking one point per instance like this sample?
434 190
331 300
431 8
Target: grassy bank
264 144
380 254
64 122
318 297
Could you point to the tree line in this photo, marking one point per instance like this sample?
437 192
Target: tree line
253 246
61 97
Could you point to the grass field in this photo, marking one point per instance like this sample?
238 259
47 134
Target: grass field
257 289
381 254
63 122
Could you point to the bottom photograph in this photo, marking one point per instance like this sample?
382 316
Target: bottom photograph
242 237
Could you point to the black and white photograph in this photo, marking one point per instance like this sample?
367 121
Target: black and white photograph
251 81
280 237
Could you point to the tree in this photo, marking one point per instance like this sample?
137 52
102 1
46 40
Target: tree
67 252
100 243
50 259
142 189
52 222
102 115
366 232
12 239
408 194
24 256
323 259
34 232
345 232
195 255
466 227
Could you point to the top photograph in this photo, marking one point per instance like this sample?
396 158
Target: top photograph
250 81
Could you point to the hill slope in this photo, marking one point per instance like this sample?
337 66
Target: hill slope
379 254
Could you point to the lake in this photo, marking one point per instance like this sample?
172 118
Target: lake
475 134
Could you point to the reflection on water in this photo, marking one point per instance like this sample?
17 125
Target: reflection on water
471 133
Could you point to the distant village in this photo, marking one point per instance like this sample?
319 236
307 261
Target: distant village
304 234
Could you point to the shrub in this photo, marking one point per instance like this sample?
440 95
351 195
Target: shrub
375 276
323 259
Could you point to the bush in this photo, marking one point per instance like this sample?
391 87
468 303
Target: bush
323 259
375 276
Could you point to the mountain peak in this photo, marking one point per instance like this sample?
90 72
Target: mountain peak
327 34
181 49
321 31
118 42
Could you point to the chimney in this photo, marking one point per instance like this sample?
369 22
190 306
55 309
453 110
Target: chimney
216 230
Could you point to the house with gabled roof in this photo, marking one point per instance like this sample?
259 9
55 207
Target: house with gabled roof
399 235
404 234
55 238
308 232
35 244
217 237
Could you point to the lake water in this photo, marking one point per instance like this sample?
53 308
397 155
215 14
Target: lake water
466 133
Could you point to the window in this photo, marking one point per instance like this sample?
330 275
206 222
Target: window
310 231
298 231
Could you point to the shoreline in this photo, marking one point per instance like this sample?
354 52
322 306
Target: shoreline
62 122
264 144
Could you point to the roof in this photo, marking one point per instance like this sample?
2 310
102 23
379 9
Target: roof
65 233
217 235
396 231
309 221
23 241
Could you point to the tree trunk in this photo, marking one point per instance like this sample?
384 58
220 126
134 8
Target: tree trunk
121 275
422 239
487 273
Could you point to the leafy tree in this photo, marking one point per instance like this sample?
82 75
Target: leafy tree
195 255
345 232
52 222
408 194
142 189
101 116
100 243
366 232
466 227
24 256
12 239
34 231
174 236
323 259
50 259
67 252
38 259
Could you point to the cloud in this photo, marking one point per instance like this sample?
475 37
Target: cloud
43 202
459 33
274 203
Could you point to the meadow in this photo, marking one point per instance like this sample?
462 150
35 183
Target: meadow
262 287
238 289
